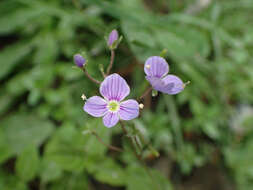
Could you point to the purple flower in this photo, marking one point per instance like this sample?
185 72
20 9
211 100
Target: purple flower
112 37
79 60
156 69
114 89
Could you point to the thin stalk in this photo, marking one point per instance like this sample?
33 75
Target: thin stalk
139 157
147 91
114 148
90 77
175 121
111 62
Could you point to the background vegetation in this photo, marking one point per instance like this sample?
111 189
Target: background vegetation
204 135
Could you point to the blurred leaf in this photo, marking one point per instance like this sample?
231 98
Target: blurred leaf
66 149
11 56
108 171
138 178
49 171
11 182
4 147
74 181
27 163
22 130
17 19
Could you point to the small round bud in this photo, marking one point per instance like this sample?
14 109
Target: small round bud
141 106
113 36
79 60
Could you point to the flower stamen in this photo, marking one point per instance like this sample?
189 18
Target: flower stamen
83 97
113 106
141 106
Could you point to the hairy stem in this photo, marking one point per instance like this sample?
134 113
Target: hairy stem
90 77
111 62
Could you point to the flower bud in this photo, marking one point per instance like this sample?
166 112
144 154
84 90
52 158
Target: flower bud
112 37
79 60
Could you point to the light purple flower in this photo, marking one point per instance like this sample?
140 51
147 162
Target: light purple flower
156 69
113 36
79 60
114 89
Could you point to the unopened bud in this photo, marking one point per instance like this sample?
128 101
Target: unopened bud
79 60
113 36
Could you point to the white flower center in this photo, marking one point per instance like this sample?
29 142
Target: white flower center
113 106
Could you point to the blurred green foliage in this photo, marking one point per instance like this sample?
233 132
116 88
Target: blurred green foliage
42 145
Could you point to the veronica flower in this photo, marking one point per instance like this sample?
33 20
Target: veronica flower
156 69
114 89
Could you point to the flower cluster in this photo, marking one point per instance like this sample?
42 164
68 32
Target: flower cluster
115 89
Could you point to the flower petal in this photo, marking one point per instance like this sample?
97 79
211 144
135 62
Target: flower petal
178 84
129 109
170 84
95 106
159 85
114 87
156 67
110 119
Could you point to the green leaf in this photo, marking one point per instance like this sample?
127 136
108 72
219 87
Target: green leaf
27 163
11 56
73 181
49 171
183 44
11 182
4 147
69 147
108 171
21 130
66 149
139 178
17 19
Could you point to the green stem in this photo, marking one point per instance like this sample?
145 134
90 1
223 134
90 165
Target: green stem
172 110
